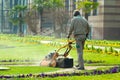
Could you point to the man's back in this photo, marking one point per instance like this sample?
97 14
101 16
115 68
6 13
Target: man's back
79 25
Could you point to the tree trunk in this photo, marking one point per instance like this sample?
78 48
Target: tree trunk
20 29
20 33
54 27
86 16
40 22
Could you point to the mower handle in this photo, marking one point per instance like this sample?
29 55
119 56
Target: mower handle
69 47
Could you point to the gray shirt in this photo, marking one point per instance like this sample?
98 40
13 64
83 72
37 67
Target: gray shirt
79 25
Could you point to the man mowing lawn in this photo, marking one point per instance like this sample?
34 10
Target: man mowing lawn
80 28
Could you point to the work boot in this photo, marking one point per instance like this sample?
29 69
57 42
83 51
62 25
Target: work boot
76 66
81 68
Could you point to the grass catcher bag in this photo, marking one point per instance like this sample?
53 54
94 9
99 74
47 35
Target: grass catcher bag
64 62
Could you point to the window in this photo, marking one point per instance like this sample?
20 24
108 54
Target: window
74 5
67 4
95 10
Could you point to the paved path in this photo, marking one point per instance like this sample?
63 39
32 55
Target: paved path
64 70
4 68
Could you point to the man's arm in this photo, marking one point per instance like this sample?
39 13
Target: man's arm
71 28
88 30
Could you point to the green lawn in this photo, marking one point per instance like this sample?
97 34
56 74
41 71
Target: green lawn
36 52
20 52
16 70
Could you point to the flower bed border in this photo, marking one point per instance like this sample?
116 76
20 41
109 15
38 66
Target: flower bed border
111 70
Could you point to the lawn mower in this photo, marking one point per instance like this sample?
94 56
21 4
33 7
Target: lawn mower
53 59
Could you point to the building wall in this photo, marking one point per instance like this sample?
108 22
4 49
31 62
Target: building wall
96 22
106 24
112 19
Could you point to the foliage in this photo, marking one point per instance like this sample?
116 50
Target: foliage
105 43
16 10
69 74
61 19
41 4
32 19
91 77
17 17
87 5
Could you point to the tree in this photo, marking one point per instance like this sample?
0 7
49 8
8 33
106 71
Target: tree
17 17
56 5
61 18
87 6
40 5
32 21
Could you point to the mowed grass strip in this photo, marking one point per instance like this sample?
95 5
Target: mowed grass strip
23 51
17 70
36 52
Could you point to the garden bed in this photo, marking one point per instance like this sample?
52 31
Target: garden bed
20 52
66 72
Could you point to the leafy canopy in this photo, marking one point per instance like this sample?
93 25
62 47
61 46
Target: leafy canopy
15 11
41 4
87 5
